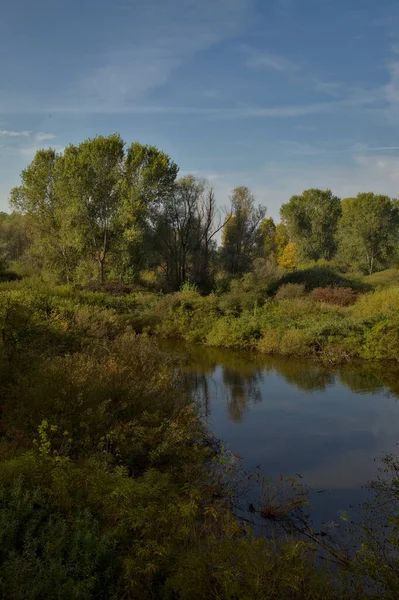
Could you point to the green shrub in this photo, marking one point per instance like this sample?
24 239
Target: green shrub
296 342
382 302
186 315
291 342
290 311
340 351
288 291
383 279
382 340
270 341
244 294
188 287
229 332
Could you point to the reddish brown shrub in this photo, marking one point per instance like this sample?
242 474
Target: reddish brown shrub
335 295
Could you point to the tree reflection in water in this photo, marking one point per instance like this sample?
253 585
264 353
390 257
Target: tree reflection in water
242 374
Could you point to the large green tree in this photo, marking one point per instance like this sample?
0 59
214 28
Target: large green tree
241 232
312 220
148 185
368 231
37 197
89 184
94 207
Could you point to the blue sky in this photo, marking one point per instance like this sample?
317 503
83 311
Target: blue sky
278 95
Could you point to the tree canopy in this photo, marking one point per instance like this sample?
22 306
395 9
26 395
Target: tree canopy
241 232
106 210
312 220
368 230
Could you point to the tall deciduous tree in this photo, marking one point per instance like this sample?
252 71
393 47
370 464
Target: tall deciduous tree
89 182
368 231
37 197
186 224
241 232
312 220
267 239
210 221
281 238
177 229
148 184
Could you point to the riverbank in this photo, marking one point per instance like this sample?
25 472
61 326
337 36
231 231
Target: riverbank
333 324
110 486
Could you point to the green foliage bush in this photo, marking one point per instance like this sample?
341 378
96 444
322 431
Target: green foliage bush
244 294
230 332
288 291
381 302
292 342
186 315
383 279
382 340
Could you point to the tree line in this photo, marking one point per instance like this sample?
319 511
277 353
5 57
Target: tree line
104 210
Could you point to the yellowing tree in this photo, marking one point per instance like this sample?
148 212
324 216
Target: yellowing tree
289 257
280 238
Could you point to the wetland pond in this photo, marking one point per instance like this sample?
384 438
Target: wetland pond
290 416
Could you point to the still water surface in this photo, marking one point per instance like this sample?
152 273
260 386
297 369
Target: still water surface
292 416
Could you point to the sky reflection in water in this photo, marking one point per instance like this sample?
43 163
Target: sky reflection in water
292 416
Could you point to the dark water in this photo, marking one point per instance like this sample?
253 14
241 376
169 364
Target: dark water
292 416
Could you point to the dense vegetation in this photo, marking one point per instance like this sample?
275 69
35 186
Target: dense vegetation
110 485
308 286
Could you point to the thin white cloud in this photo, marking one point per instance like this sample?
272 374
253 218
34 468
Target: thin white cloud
211 94
30 151
140 51
41 136
168 36
268 60
6 133
293 147
356 99
391 90
364 148
331 88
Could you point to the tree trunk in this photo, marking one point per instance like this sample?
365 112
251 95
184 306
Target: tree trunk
101 264
371 265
